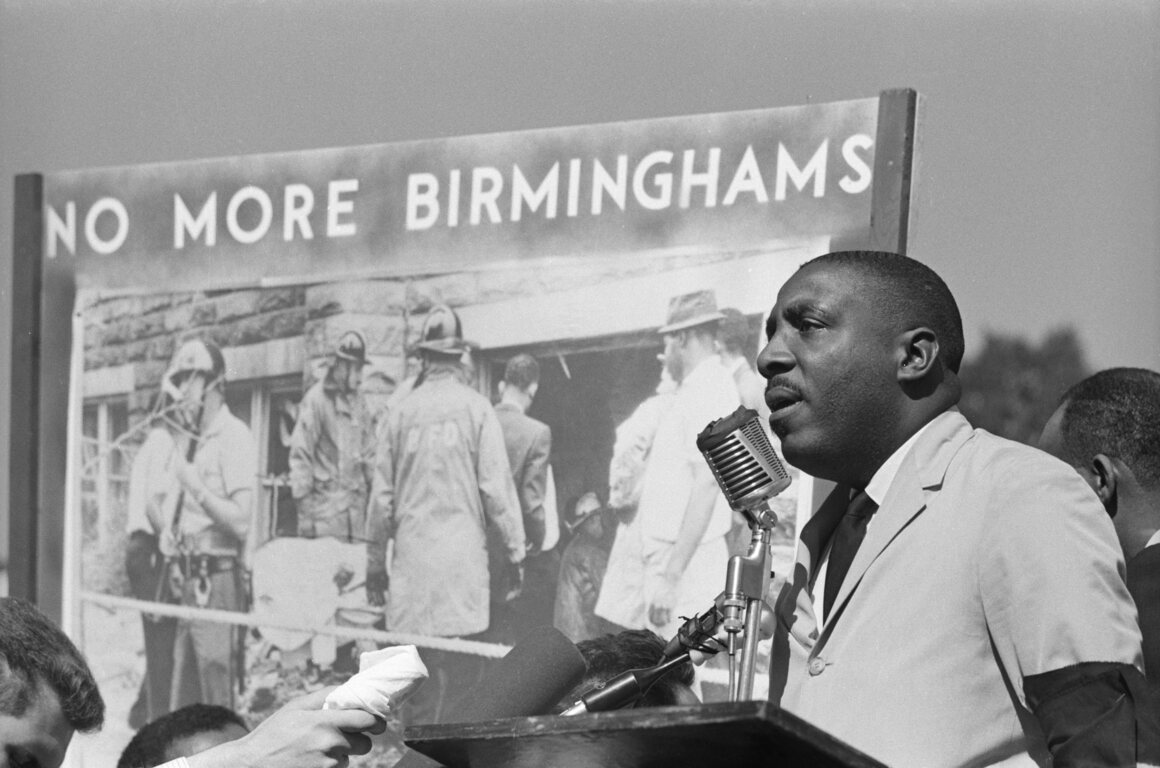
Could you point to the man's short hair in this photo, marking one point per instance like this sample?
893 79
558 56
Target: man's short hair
522 371
150 746
911 292
1115 412
609 655
34 651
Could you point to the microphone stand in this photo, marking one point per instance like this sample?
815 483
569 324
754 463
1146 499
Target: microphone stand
746 584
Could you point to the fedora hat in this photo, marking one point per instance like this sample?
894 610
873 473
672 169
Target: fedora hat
690 309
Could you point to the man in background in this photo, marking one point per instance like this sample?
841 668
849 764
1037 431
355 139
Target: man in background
215 463
186 731
680 527
442 477
46 689
1108 427
150 483
332 449
529 445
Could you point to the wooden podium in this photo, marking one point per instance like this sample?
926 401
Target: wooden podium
747 733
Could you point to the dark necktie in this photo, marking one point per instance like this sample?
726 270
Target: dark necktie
844 543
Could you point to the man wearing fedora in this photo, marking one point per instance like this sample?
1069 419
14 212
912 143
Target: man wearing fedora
678 534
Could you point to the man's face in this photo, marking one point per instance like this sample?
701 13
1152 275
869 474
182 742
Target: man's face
39 737
347 375
831 364
672 358
191 385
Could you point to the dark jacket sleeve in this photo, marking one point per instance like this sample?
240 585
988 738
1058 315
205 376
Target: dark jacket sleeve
1096 714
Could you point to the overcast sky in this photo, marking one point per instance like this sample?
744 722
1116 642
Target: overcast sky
1038 194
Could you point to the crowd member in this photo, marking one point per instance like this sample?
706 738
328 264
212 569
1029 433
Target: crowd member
529 445
46 689
299 735
150 485
216 464
332 449
186 731
1108 428
982 618
442 476
610 655
47 693
582 571
682 520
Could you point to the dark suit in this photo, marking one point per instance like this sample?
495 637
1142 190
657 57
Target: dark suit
529 445
1144 585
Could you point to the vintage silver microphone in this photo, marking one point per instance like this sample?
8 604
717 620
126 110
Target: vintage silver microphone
743 461
750 474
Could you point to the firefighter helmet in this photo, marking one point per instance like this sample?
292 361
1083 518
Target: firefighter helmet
443 332
193 356
352 346
197 356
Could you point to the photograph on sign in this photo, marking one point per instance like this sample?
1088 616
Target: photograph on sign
436 393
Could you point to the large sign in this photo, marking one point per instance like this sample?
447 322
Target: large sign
735 179
214 541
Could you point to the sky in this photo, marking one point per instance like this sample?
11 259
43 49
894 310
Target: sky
1037 196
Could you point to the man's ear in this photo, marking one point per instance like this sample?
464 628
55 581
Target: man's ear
1107 477
918 353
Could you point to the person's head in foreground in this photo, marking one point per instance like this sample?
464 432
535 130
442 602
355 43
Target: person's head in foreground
183 732
610 655
46 689
1108 427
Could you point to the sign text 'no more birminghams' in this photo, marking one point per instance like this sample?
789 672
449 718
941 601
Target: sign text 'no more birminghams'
518 185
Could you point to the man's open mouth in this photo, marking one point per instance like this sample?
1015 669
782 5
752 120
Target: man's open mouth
780 398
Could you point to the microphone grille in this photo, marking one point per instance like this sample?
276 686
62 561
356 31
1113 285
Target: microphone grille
743 461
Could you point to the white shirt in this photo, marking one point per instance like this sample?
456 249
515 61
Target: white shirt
876 489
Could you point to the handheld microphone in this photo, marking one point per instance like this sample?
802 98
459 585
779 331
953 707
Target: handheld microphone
623 689
742 460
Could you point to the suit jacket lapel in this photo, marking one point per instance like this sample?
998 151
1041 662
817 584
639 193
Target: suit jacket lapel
920 475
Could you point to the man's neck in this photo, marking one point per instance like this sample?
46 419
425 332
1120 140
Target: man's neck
516 398
1137 516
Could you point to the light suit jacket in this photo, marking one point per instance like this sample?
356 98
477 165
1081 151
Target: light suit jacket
988 561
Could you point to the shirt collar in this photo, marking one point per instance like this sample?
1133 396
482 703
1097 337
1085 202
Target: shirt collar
879 484
1154 540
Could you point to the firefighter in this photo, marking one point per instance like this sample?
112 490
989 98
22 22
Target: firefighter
332 449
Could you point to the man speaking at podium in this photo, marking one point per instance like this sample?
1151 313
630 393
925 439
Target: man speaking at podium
957 599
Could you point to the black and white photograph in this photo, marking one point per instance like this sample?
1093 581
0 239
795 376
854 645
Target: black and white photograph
510 383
